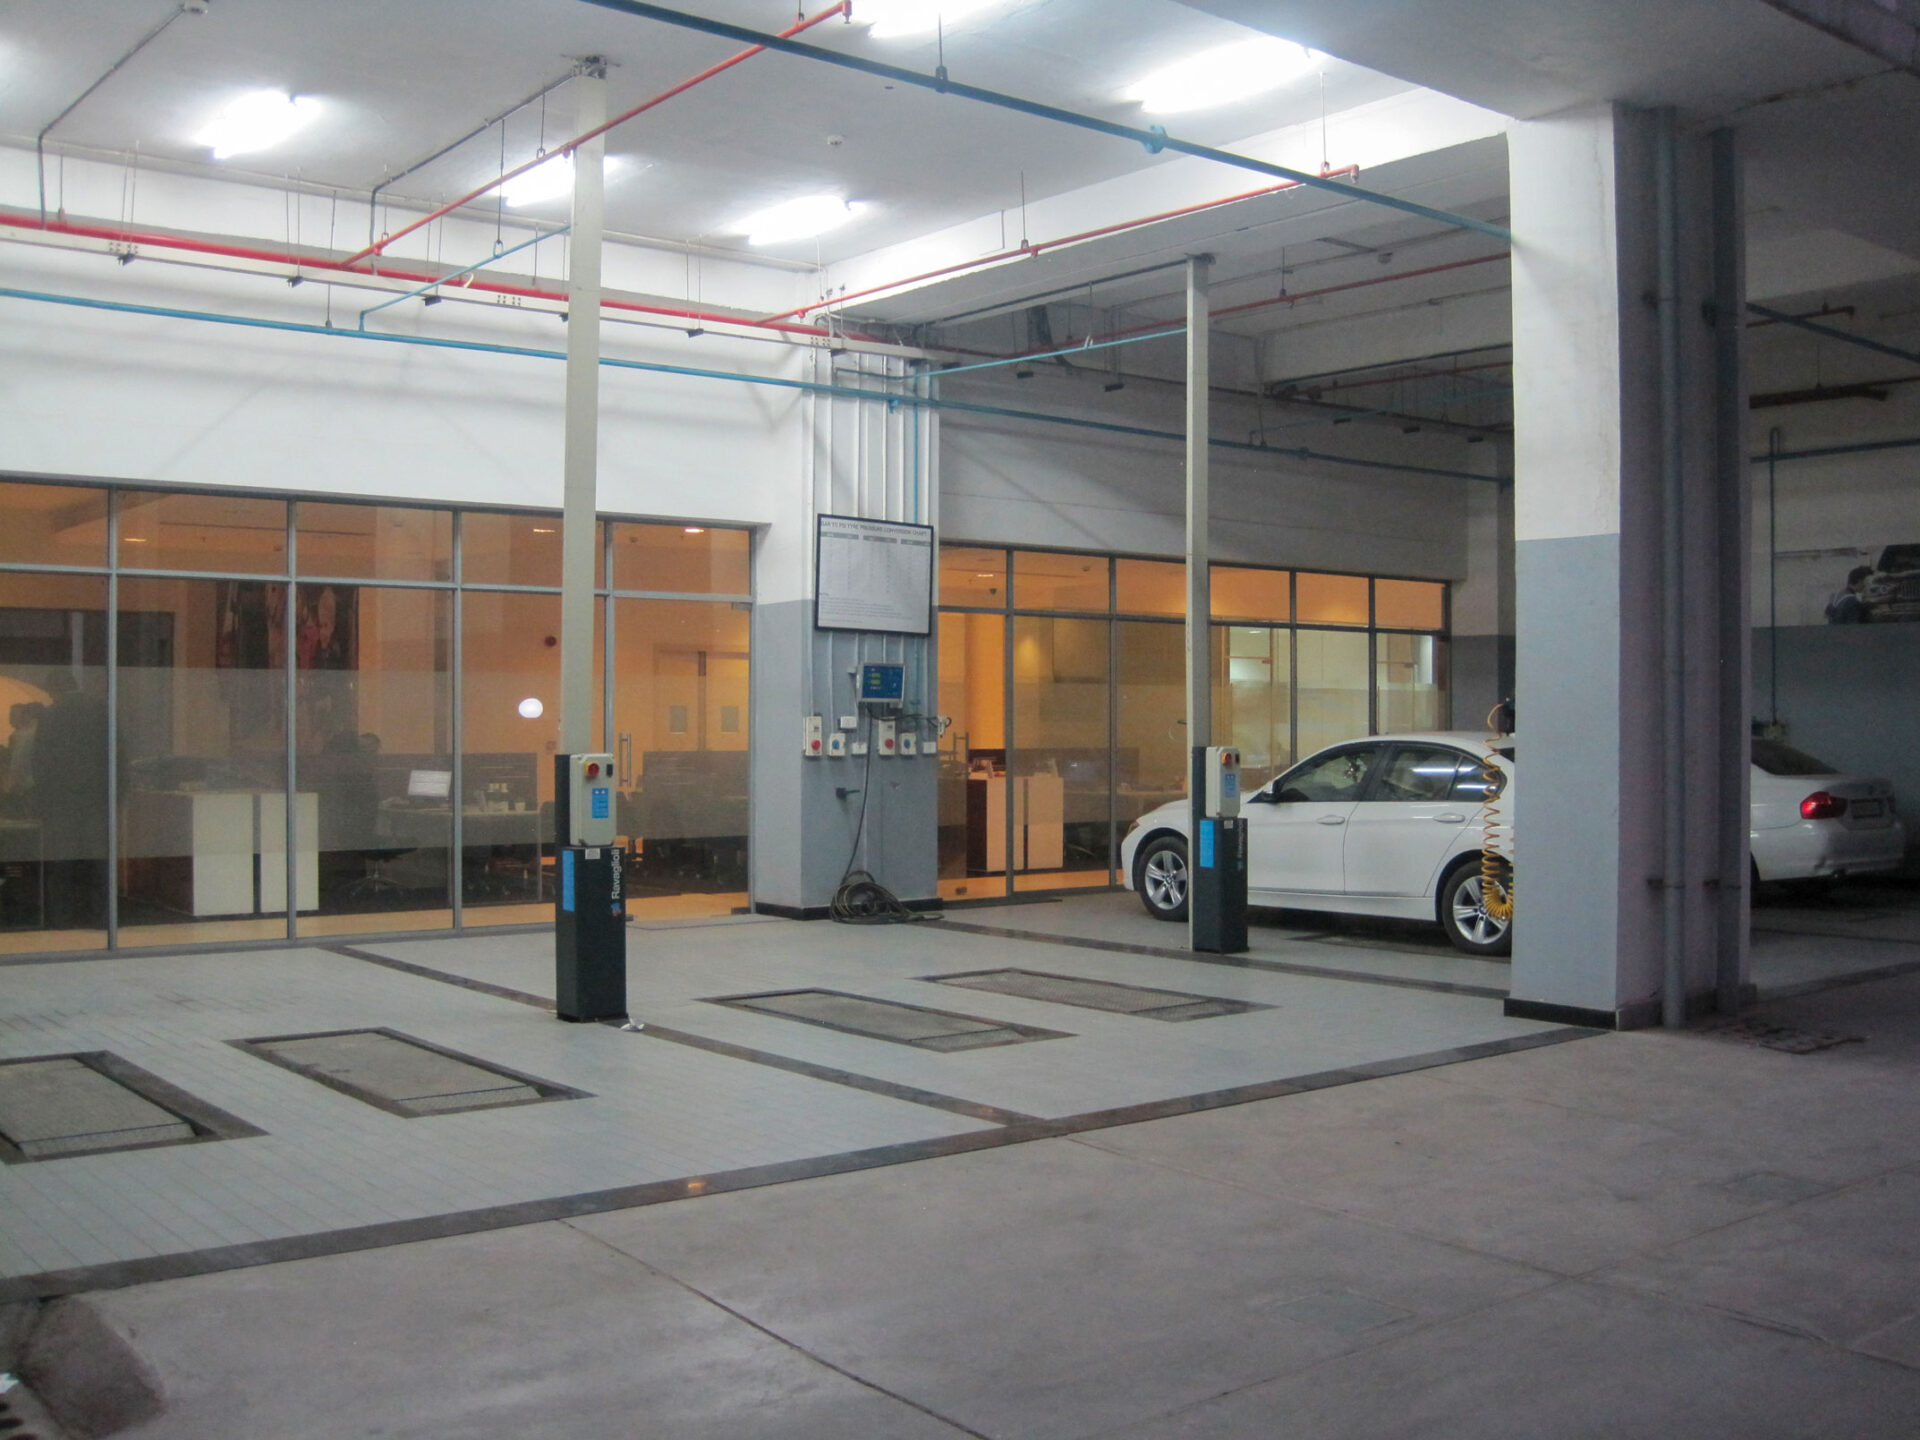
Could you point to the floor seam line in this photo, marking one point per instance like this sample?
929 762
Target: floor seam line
778 1338
1235 962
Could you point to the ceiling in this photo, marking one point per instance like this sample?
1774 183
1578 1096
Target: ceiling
401 81
1824 127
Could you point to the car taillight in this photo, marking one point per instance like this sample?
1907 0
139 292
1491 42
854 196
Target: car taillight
1822 806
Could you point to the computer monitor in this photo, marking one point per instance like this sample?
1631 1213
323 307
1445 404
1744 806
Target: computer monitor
429 784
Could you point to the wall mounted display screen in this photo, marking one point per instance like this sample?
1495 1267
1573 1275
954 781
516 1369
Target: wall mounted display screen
874 575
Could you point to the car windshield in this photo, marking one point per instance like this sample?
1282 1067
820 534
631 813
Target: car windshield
1776 757
1899 557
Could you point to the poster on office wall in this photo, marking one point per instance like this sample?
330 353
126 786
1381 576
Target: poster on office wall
873 575
250 635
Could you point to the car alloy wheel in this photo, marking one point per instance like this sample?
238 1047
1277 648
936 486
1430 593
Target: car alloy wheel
1161 878
1464 916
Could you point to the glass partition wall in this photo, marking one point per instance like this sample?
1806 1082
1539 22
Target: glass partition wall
1064 676
229 718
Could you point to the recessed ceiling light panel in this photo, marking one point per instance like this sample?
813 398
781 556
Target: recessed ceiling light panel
258 120
799 219
1224 75
904 19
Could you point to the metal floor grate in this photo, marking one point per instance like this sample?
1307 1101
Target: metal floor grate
52 1106
1108 995
888 1020
402 1075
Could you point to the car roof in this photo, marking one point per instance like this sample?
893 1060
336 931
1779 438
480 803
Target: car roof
1475 740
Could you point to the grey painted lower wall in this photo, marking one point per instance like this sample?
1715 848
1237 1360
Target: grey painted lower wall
1480 676
1849 694
803 832
1567 672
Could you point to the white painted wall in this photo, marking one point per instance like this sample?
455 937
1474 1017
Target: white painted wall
1005 481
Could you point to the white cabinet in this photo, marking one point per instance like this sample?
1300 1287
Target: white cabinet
219 852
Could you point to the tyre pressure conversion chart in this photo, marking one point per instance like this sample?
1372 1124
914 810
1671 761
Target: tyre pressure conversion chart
874 575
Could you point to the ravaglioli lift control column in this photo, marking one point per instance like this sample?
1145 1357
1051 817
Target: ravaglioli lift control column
590 910
1217 866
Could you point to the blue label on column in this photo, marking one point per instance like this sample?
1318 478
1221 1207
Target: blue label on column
566 880
1206 845
601 802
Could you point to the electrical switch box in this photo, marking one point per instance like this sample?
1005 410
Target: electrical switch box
849 722
885 740
590 817
909 740
1223 782
857 746
837 745
813 739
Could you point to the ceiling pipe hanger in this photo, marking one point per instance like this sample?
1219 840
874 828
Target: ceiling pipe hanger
186 7
1154 139
574 144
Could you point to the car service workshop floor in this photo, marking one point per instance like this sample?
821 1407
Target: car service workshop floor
1326 1191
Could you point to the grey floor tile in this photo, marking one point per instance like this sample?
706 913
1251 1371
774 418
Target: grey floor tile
1842 1266
1564 1190
534 1331
1051 1289
1574 1361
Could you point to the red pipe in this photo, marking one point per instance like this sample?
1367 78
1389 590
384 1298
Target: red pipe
1033 249
279 257
1256 305
598 130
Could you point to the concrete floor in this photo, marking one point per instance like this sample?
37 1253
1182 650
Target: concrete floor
1645 1234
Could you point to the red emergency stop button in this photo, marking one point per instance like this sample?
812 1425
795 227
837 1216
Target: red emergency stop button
593 768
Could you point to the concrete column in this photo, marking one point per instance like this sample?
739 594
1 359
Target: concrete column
1602 563
1199 550
811 816
583 419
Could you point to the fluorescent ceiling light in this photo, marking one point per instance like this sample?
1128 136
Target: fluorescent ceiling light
258 120
800 219
551 179
900 19
1223 75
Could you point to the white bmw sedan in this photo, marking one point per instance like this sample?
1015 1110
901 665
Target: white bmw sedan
1390 825
1395 825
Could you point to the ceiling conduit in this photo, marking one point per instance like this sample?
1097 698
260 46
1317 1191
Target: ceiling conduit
380 246
120 235
1040 247
1154 140
814 387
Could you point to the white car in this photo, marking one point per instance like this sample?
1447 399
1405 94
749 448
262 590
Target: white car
1811 822
1389 825
1394 825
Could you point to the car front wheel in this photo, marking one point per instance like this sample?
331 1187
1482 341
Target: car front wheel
1463 909
1160 875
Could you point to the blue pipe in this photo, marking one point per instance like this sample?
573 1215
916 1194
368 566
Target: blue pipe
813 387
1782 318
435 284
1155 140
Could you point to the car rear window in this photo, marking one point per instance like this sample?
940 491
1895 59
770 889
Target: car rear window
1776 757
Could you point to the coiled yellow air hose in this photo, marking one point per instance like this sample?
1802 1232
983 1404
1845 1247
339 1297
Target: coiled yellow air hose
1496 889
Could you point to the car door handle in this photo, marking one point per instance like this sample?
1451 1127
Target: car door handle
1333 819
1450 818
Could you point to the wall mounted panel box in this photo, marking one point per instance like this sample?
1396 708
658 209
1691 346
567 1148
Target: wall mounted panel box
909 740
590 809
883 683
884 740
813 741
837 744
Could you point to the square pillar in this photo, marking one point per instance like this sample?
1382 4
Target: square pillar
1629 533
